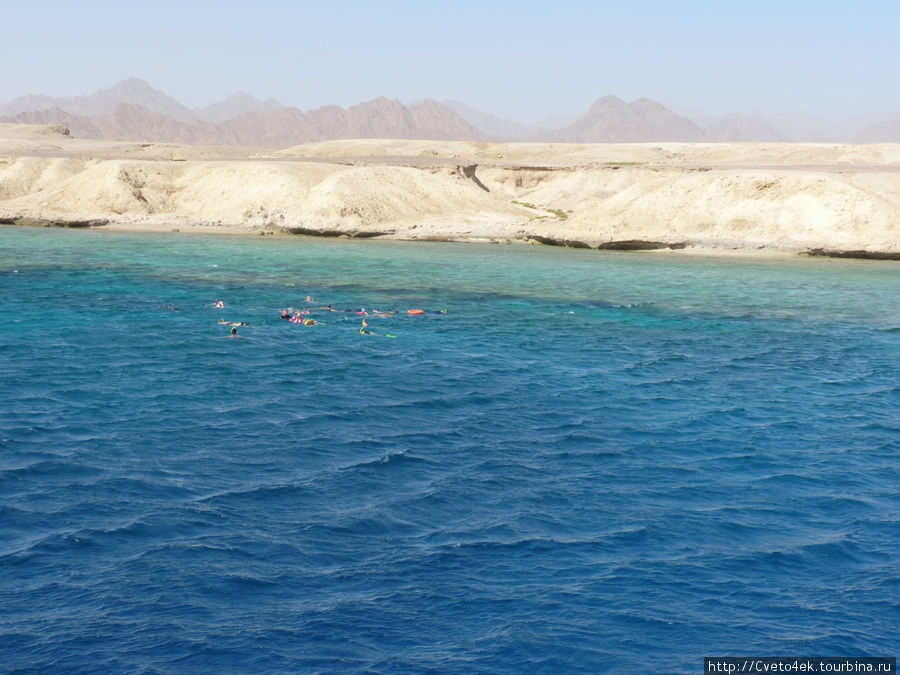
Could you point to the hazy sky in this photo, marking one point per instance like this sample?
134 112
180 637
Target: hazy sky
517 59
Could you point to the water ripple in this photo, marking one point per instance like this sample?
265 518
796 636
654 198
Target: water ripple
589 464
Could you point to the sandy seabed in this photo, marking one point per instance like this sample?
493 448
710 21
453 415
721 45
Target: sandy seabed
746 197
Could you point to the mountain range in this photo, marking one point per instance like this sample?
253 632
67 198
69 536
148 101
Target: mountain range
133 110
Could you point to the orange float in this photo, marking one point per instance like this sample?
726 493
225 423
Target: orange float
415 311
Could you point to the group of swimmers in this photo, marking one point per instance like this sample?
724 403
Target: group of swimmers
303 317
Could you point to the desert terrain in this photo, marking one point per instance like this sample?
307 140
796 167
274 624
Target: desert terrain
823 198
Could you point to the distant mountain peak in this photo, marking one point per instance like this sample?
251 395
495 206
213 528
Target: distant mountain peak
612 120
241 96
381 102
489 125
131 84
607 101
235 105
134 109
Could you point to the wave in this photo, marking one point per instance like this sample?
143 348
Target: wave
396 458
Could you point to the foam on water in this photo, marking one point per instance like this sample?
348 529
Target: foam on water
593 461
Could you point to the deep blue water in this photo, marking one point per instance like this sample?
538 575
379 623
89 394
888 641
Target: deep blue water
592 462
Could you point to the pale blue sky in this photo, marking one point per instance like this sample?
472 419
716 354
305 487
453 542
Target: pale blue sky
521 60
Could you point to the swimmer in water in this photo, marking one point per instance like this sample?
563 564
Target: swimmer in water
219 304
233 332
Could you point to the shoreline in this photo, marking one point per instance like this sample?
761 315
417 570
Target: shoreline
757 252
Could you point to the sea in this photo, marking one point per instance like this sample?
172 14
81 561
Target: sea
571 461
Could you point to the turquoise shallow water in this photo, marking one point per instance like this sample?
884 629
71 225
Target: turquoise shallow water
591 462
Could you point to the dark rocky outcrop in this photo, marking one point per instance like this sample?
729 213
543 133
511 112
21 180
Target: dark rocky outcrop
42 222
550 241
469 172
626 245
863 255
638 245
352 234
